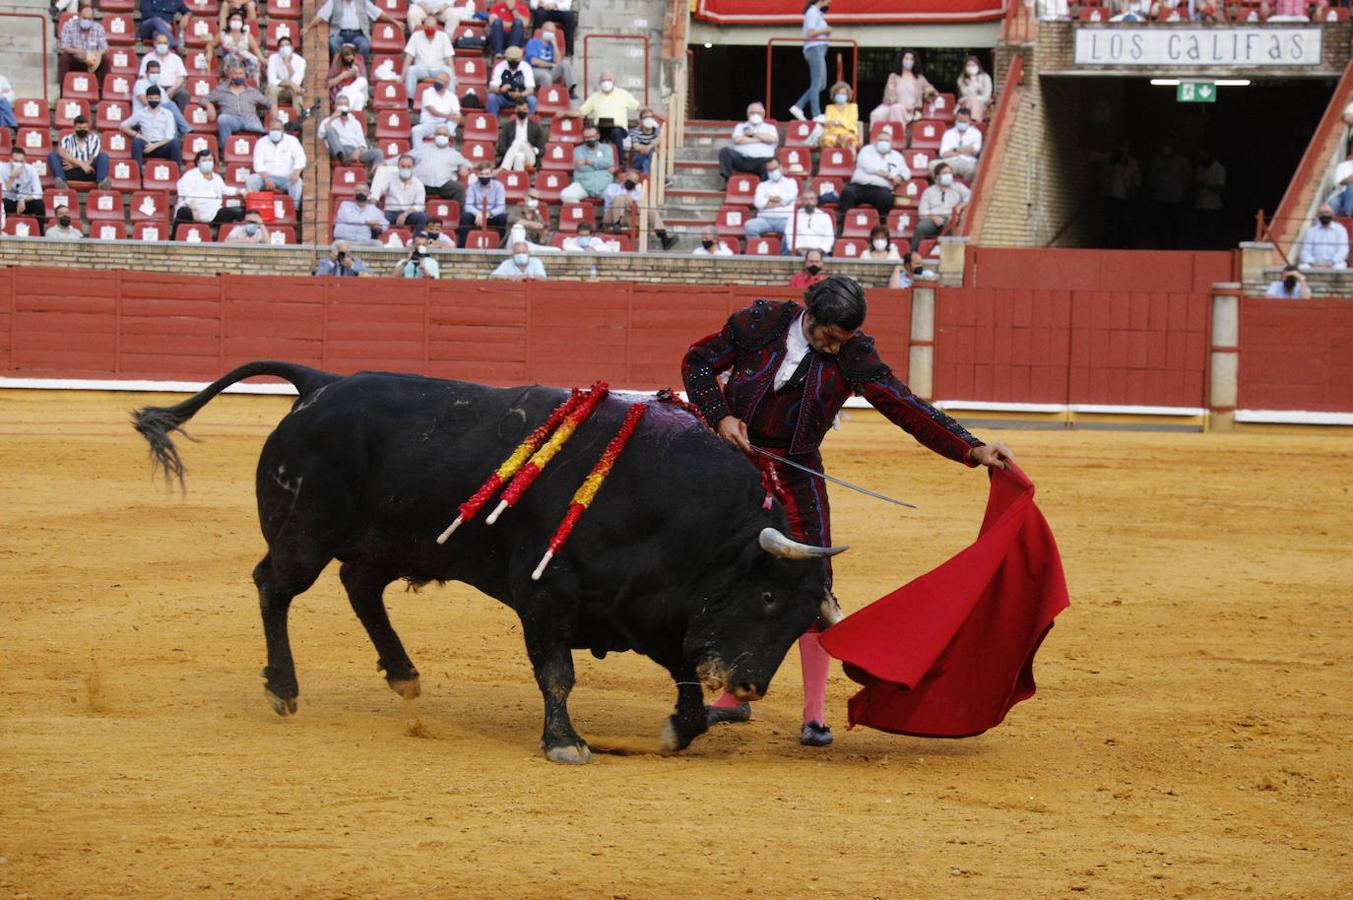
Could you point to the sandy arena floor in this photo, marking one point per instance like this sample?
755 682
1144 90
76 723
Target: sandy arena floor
1190 736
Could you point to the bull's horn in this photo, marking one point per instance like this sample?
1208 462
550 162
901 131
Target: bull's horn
776 544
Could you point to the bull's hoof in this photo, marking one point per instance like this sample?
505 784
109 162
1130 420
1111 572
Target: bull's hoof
408 688
569 754
283 706
669 741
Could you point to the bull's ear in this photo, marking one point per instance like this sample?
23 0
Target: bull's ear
776 544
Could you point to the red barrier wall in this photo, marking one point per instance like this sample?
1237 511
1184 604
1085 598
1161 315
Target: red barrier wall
1296 355
1170 271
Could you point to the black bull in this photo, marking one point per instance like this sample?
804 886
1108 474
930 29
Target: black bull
675 558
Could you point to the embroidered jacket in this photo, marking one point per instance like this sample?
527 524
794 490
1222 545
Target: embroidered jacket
751 346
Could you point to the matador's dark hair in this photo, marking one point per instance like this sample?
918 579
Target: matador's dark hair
838 300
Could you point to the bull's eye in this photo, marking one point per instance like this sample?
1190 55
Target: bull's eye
767 599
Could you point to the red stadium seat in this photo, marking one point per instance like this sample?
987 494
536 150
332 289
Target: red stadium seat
826 187
69 197
150 206
121 30
80 86
150 231
396 61
283 210
571 215
239 147
236 174
389 95
345 179
859 221
469 29
482 239
203 7
516 184
926 134
198 29
918 161
45 178
198 87
392 123
911 191
731 221
124 175
551 185
553 100
943 107
1332 14
284 9
118 86
387 38
34 141
796 161
763 246
895 131
22 226
199 119
849 247
5 140
1094 14
901 222
558 156
418 94
566 130
63 116
446 210
397 9
796 133
471 72
837 162
117 6
107 230
478 151
32 112
287 114
121 61
104 205
281 28
281 234
200 62
160 175
192 232
394 238
116 144
479 126
741 189
195 142
392 148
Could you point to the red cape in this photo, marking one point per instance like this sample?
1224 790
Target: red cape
948 654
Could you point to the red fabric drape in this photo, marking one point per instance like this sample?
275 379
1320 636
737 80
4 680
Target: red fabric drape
949 653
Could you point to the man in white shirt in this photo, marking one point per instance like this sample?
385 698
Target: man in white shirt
1326 244
345 137
405 198
173 74
960 146
440 108
710 245
586 241
813 228
359 219
754 142
520 266
201 192
774 201
427 53
21 188
1342 199
279 163
286 74
440 167
153 131
879 171
939 203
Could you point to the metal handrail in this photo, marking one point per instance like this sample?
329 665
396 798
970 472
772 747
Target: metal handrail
42 32
617 36
854 61
995 145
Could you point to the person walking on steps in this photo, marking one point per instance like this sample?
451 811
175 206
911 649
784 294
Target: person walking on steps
815 34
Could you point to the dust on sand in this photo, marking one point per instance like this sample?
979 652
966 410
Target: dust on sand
1190 735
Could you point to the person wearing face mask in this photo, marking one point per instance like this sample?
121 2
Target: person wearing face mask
880 171
529 220
347 79
286 75
153 131
585 240
815 34
944 200
79 156
960 145
405 198
774 201
340 262
441 167
790 369
882 248
1291 285
710 245
547 13
359 220
419 261
642 141
201 193
84 45
610 107
521 141
22 190
427 54
159 18
813 229
508 22
246 9
1326 244
440 107
547 63
974 89
905 93
237 46
437 237
235 106
594 165
173 93
621 201
65 229
279 163
813 271
841 126
520 266
251 231
753 143
485 204
7 98
511 81
349 22
345 137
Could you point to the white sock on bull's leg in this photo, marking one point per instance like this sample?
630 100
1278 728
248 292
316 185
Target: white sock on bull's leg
816 665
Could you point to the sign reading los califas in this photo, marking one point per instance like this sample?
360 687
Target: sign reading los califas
1127 46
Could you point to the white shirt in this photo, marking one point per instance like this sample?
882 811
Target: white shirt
6 90
813 232
428 52
280 160
953 139
356 91
598 244
1342 171
870 161
720 249
202 195
768 137
432 101
283 71
172 70
350 131
787 189
796 347
1325 244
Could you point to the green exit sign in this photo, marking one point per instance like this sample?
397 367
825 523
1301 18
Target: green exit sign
1196 92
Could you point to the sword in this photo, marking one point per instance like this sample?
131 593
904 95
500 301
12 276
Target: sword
825 477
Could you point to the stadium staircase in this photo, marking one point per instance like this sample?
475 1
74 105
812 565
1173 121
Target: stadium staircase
21 48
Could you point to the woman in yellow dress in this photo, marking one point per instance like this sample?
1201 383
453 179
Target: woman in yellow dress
842 126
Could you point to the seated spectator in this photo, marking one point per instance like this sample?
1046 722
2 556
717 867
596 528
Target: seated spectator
405 198
418 262
812 271
940 202
347 79
235 106
7 98
905 93
172 81
520 265
610 106
22 188
64 230
774 201
437 237
440 167
548 12
358 219
974 89
813 228
754 142
521 142
510 81
79 157
914 266
841 125
153 131
345 137
584 240
440 107
153 77
427 53
548 63
960 146
622 201
710 245
246 8
881 247
279 163
435 11
201 193
1128 11
286 75
1209 12
508 21
84 44
349 22
594 165
534 223
1326 244
158 20
485 204
237 47
1291 285
342 263
1341 201
879 172
642 141
251 231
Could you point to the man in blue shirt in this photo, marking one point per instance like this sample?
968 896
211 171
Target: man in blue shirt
544 58
520 266
159 17
485 204
593 165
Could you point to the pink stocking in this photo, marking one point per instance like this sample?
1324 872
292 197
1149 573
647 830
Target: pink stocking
726 701
816 663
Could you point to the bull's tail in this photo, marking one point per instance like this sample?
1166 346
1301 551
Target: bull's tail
157 424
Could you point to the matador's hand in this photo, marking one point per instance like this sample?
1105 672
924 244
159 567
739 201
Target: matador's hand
734 430
991 455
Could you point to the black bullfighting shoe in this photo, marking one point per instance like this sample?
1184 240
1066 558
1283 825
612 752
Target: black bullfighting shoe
740 713
815 734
